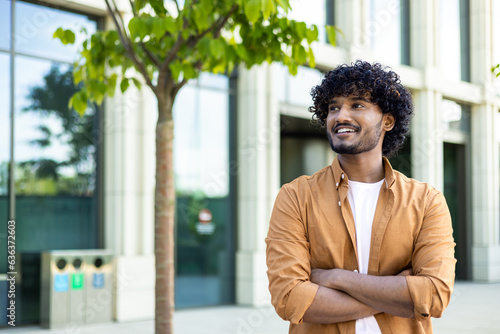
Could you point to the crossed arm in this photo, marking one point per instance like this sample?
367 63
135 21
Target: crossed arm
344 295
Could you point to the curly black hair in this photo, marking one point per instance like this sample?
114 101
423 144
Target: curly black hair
373 81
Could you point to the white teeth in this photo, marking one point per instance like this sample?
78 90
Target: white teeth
343 130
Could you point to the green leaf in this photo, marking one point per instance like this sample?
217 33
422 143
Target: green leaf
137 27
170 24
268 8
158 27
124 84
188 71
312 60
312 34
252 10
65 36
331 32
175 68
301 29
110 89
137 83
78 102
158 6
217 48
285 4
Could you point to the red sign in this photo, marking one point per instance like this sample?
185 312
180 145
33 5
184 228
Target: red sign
205 225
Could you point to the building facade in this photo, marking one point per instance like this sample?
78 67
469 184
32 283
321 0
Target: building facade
83 183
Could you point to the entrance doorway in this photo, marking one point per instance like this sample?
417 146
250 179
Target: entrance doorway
455 192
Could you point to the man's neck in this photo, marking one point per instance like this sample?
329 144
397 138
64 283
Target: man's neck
367 167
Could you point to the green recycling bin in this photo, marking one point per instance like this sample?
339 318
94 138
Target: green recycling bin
62 295
76 287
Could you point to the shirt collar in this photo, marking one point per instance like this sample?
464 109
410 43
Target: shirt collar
340 176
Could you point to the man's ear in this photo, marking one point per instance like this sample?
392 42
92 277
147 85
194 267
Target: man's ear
389 122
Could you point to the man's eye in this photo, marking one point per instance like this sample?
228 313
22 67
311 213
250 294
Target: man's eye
357 105
334 108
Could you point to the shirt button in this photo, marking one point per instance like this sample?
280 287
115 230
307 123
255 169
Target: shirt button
339 203
337 184
342 176
355 270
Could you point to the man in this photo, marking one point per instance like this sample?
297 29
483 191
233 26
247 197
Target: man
358 247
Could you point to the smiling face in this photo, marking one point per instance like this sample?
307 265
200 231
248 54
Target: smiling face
354 125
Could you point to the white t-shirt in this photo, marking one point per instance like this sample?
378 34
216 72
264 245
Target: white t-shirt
363 199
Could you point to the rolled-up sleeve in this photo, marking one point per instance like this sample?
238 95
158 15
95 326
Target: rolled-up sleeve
288 259
433 261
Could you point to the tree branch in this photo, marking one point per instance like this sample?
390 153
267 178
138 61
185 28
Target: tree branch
181 84
178 9
132 8
117 13
215 28
150 55
128 46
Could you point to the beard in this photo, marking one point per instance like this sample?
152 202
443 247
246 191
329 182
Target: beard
367 142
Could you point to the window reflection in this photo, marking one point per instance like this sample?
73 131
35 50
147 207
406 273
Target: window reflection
4 128
384 30
35 26
453 39
54 146
5 24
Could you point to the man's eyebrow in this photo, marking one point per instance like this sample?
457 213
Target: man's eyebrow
356 98
361 98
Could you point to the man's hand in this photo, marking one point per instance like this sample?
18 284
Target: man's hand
387 294
406 272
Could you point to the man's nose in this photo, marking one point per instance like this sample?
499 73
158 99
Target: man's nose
344 115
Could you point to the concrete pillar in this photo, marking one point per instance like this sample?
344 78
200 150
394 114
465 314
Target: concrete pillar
426 127
427 139
485 198
485 172
129 154
258 180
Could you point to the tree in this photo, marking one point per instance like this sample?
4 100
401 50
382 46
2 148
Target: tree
164 45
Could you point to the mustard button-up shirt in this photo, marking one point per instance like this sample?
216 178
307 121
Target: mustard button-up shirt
312 226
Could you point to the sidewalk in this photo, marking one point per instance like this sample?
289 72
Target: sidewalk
474 308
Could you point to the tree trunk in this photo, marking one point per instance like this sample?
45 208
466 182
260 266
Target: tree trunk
164 218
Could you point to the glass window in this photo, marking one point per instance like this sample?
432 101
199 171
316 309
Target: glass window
454 55
201 139
388 31
296 90
5 24
307 11
4 128
455 116
35 26
4 154
55 152
54 149
201 158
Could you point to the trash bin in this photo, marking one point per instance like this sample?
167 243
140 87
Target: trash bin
70 294
99 292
